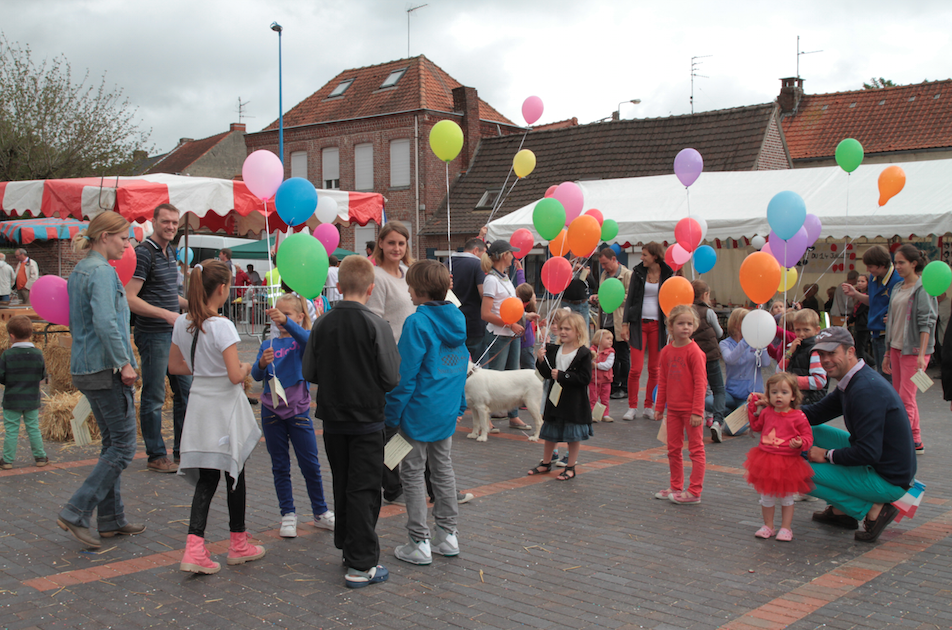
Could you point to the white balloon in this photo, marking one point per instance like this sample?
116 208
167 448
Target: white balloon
703 223
326 210
758 242
758 329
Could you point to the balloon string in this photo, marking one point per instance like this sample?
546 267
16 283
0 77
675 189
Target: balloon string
449 246
847 221
502 199
267 236
498 202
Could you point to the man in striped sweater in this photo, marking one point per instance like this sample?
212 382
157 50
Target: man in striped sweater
21 370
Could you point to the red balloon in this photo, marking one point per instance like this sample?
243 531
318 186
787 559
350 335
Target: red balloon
668 258
597 214
688 233
125 266
522 240
556 274
550 190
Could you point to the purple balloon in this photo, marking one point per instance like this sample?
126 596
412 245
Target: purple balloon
788 253
688 166
813 226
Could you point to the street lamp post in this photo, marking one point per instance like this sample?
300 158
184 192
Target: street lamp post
277 29
617 114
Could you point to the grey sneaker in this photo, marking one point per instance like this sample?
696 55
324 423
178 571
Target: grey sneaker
649 414
717 432
414 552
464 497
445 543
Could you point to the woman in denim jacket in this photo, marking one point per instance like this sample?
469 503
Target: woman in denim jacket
103 369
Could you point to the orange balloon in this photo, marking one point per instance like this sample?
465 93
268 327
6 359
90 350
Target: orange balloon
891 181
511 310
675 290
559 245
584 235
760 277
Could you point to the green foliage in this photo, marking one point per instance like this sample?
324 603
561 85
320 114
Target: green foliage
51 127
878 84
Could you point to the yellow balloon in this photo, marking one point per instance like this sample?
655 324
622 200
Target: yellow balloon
788 279
446 140
524 163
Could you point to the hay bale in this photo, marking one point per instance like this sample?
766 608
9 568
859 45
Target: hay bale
40 338
4 337
56 415
57 354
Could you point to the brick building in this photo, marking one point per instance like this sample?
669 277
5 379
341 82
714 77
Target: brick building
367 130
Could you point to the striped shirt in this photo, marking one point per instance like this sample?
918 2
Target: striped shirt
21 370
159 274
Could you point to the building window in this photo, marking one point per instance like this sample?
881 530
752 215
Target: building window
364 235
399 163
364 167
487 200
330 168
299 164
393 78
341 88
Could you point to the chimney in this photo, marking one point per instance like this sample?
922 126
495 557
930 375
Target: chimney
184 140
791 91
466 101
139 155
237 127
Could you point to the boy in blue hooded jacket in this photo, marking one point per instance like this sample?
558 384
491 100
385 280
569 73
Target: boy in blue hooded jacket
425 405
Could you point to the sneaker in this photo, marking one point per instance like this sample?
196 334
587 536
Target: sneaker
464 497
709 421
129 529
607 419
162 465
288 526
445 543
664 495
414 552
40 462
630 414
5 465
562 463
618 394
684 498
717 432
327 521
920 449
648 414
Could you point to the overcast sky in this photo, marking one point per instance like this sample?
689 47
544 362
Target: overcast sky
184 64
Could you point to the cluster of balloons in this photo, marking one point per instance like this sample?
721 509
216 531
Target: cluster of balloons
689 232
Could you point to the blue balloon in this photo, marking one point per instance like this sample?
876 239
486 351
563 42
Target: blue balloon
181 256
296 200
786 213
704 258
616 248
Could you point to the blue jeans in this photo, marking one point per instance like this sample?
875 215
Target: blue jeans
730 404
154 351
507 357
878 346
715 378
115 413
582 309
475 345
299 431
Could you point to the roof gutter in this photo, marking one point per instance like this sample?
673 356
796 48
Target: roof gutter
400 113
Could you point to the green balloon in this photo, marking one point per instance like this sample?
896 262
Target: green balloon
611 294
849 154
548 217
936 278
609 229
302 263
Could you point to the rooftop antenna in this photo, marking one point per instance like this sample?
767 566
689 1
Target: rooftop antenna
241 110
694 66
802 53
409 11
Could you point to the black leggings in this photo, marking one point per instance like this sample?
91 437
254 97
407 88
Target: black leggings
204 491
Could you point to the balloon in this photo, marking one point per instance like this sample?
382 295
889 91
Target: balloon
295 200
936 278
446 140
704 258
615 247
532 109
849 154
125 266
550 191
813 227
688 234
556 275
302 263
758 329
788 253
703 223
788 279
609 229
758 242
511 310
328 235
262 173
759 277
891 181
786 213
597 214
766 249
181 256
327 210
559 245
522 240
524 163
688 165
584 234
680 255
548 217
570 195
669 258
50 300
611 294
675 290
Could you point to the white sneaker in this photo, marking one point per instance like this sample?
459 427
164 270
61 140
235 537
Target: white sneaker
464 497
445 543
325 521
630 414
649 414
289 526
414 552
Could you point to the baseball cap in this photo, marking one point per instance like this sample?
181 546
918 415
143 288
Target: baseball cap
829 339
500 247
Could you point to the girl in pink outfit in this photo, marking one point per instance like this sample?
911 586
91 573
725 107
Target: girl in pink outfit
775 467
602 372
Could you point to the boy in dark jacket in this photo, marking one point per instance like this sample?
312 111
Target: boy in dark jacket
801 360
21 370
352 357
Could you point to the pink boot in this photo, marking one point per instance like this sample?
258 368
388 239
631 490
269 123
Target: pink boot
196 559
241 551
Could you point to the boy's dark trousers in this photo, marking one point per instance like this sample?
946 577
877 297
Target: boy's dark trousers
357 466
392 487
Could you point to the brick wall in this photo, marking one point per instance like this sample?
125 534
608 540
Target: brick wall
52 257
773 153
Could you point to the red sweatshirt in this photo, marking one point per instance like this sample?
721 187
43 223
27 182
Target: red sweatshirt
682 380
777 429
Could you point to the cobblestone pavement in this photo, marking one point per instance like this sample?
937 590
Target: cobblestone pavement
595 552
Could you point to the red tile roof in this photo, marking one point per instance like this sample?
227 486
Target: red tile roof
424 86
185 154
903 118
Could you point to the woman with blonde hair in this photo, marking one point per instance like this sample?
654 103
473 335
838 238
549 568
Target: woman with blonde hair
741 374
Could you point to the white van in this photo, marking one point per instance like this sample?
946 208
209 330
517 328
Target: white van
207 246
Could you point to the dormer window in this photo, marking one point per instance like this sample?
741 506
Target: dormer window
341 88
393 78
488 199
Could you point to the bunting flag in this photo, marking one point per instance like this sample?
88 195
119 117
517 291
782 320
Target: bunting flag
909 502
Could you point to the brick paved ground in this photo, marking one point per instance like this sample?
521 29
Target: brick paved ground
596 552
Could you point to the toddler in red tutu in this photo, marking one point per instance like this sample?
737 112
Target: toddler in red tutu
775 467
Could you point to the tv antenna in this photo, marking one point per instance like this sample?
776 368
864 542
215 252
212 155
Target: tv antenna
409 11
802 53
694 66
241 110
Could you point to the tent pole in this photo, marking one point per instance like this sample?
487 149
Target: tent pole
185 257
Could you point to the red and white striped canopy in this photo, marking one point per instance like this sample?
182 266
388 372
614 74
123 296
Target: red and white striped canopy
25 231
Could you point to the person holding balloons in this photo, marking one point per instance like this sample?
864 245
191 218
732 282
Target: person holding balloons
641 326
611 319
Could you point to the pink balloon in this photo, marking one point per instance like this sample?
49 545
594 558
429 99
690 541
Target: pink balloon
328 235
766 248
532 109
669 258
597 214
49 299
688 234
522 240
262 173
125 266
679 254
570 196
550 191
556 275
688 166
813 226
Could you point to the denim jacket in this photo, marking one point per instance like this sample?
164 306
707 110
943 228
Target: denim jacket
98 318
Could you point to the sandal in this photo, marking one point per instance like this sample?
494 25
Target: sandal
567 473
542 469
765 532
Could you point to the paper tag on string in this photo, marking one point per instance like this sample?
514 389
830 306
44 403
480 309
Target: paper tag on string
451 297
598 412
395 450
78 422
921 380
555 393
663 431
277 391
737 419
